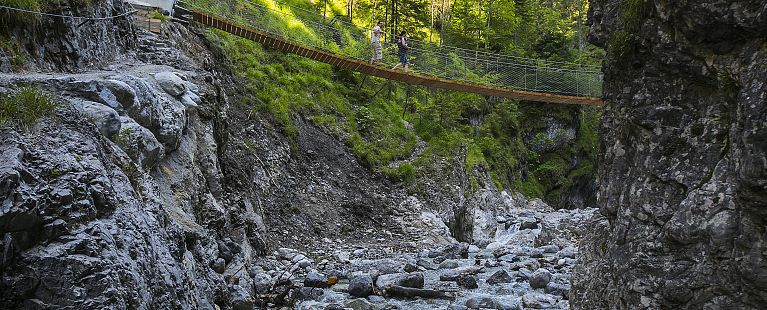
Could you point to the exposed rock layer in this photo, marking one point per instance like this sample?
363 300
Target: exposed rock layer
683 166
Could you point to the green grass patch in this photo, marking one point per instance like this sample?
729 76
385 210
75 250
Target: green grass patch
25 107
160 16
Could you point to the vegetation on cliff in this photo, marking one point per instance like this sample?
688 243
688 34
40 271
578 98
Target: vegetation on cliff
382 121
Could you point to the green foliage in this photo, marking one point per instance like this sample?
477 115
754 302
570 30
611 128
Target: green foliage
25 107
405 172
160 16
374 120
553 46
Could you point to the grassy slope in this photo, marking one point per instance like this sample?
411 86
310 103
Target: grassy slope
374 126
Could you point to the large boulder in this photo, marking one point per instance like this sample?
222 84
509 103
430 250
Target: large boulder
382 266
492 302
170 83
157 111
540 278
361 285
360 304
500 276
467 281
241 298
314 279
414 280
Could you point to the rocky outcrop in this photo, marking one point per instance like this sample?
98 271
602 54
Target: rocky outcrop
69 44
682 165
118 200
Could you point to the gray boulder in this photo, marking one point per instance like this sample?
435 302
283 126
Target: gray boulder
241 298
106 119
551 248
568 252
500 276
262 283
361 285
535 300
540 278
449 264
453 274
414 280
170 83
480 302
107 92
124 94
467 281
314 279
490 302
309 293
359 304
155 110
190 100
383 266
528 223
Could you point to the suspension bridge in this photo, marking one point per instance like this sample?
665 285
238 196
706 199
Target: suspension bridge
340 43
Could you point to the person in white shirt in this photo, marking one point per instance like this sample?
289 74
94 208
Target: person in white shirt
376 43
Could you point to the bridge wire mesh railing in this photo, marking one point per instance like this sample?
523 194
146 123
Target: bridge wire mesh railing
341 37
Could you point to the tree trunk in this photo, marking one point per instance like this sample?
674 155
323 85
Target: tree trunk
431 11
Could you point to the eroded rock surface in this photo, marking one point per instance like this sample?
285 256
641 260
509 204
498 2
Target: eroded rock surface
683 166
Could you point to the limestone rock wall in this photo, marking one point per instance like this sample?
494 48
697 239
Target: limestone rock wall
683 158
70 44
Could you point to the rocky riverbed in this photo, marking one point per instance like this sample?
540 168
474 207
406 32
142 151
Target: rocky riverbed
526 264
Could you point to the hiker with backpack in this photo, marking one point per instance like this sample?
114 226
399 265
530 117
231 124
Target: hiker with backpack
402 49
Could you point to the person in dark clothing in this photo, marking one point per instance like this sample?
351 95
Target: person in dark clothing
402 50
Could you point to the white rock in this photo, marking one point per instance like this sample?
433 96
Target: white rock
171 83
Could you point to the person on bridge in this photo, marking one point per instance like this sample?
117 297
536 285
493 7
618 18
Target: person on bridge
376 43
402 50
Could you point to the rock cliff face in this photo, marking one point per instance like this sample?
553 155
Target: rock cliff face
70 44
683 166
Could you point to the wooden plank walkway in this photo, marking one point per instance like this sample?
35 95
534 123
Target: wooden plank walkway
382 72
